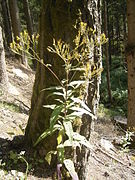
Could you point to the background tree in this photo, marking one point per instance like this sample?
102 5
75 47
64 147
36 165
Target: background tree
53 15
6 22
34 11
107 51
3 73
15 20
16 25
28 17
117 59
29 23
131 63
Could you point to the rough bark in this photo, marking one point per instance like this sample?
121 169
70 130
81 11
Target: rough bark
3 73
92 96
6 22
131 63
57 21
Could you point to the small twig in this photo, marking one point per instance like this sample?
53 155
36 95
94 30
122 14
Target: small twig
97 159
23 103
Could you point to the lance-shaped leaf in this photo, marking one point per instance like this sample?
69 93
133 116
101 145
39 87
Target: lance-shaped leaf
78 111
82 140
74 144
61 151
55 114
52 106
52 88
59 138
47 133
76 84
71 169
69 130
82 103
48 157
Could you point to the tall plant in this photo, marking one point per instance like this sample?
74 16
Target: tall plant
69 106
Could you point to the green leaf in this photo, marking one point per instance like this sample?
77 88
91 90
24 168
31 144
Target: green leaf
74 144
59 100
48 157
50 106
55 114
52 88
69 92
72 116
80 111
79 101
59 138
45 134
69 130
58 94
77 69
13 155
61 152
76 84
71 169
82 140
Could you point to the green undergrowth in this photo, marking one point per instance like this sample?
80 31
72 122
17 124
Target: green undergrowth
118 77
110 112
20 161
10 106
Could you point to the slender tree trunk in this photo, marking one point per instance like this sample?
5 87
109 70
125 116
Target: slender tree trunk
117 34
16 25
107 54
29 23
112 36
3 73
57 21
109 35
15 20
124 27
131 63
6 22
28 17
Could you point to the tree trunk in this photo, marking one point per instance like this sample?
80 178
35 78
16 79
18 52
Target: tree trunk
92 96
117 34
29 23
57 21
131 63
15 20
16 25
3 73
6 22
112 36
28 17
109 34
124 26
107 53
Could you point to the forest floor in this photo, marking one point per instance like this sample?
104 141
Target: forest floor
106 162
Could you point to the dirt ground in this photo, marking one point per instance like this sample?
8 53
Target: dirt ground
106 162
